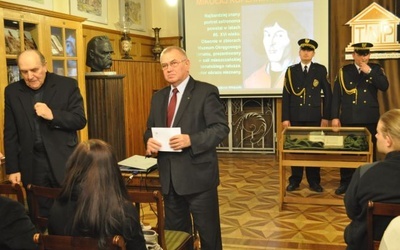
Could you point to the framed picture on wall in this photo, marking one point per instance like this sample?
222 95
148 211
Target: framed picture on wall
133 11
42 4
94 10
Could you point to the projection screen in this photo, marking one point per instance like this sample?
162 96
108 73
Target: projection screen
245 46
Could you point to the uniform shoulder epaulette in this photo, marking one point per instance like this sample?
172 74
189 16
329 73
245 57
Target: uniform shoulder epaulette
348 66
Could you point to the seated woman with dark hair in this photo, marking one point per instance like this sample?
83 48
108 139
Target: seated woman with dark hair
94 200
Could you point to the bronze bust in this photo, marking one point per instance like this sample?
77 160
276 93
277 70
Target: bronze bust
98 55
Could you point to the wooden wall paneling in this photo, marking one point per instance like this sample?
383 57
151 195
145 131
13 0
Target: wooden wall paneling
105 102
140 82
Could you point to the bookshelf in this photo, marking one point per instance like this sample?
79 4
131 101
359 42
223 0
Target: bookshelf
58 36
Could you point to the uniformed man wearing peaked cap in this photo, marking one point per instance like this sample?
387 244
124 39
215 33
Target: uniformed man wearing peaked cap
362 48
301 104
355 99
307 44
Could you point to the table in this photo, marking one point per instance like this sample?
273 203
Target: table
143 181
313 156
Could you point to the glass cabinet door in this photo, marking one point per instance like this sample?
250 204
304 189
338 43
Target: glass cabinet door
64 54
19 36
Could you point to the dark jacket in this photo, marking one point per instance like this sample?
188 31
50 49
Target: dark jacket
302 96
16 228
379 182
200 115
62 215
62 96
355 96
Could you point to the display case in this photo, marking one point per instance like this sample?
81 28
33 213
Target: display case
345 147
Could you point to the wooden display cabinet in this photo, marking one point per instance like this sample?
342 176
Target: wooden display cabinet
347 147
58 36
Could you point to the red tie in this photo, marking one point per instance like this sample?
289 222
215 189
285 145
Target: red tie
171 107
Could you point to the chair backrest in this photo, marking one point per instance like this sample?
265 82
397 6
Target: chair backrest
8 189
167 239
378 209
58 242
154 197
36 193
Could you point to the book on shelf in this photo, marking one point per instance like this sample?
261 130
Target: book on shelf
12 39
29 41
56 46
13 73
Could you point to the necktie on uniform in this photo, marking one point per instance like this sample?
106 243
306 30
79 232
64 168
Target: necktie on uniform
171 107
305 70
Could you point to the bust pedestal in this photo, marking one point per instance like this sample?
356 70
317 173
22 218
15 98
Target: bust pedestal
105 110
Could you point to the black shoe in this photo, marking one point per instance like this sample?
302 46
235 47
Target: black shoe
316 187
292 186
341 189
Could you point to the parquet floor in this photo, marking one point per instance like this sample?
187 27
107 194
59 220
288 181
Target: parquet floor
250 216
249 210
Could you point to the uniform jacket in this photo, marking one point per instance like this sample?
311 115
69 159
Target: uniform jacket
378 182
200 115
62 96
355 97
302 97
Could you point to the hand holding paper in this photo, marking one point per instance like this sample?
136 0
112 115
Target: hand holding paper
163 135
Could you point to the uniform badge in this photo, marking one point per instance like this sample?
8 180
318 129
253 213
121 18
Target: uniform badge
315 83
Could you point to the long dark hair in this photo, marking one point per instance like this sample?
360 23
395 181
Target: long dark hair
95 182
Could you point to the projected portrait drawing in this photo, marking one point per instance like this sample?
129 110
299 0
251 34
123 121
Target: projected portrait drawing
278 35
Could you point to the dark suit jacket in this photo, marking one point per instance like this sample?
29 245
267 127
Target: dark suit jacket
62 96
16 228
200 115
301 98
360 107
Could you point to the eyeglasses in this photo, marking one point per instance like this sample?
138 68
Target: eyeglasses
173 64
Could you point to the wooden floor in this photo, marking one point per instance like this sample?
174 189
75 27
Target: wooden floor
250 216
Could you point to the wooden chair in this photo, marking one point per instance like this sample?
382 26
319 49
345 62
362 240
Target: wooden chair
378 209
167 239
8 189
41 192
58 242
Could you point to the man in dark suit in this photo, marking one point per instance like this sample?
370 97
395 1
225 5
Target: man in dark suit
355 99
189 176
43 112
301 104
